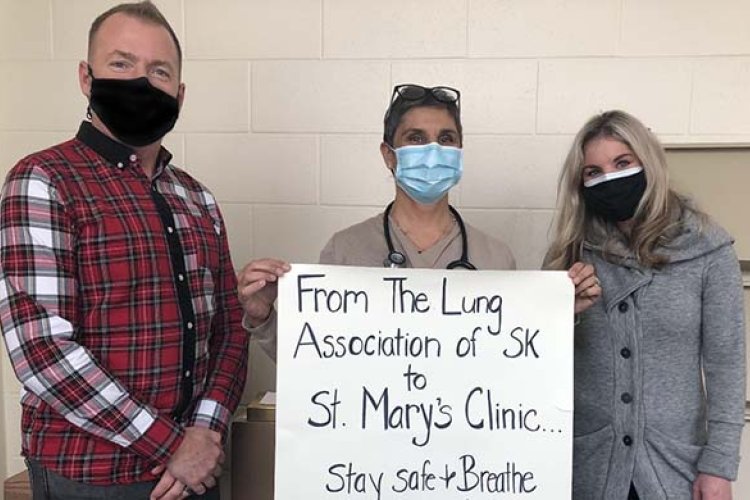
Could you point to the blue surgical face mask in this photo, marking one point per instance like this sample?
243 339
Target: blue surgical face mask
427 172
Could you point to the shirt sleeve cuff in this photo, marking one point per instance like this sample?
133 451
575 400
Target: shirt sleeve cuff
160 440
718 464
212 415
720 456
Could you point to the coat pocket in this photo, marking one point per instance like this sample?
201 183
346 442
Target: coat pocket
591 457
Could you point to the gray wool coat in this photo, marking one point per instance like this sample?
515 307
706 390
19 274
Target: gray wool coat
660 369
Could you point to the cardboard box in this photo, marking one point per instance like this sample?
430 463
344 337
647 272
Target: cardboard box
17 487
253 453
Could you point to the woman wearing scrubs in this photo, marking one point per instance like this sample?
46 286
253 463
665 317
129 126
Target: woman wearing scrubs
660 360
421 146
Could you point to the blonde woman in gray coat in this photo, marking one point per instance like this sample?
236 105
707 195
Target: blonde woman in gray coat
659 360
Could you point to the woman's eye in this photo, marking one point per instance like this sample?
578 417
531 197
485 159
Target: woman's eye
447 139
591 173
416 139
623 164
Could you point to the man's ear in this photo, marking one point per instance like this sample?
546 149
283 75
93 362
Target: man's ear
180 95
84 78
389 157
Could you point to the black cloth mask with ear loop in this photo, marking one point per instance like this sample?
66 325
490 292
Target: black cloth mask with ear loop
397 259
136 112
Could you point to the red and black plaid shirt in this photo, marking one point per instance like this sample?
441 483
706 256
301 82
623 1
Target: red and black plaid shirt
118 307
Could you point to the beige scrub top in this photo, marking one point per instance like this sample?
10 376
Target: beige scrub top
364 245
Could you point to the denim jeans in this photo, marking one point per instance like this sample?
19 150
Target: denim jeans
47 485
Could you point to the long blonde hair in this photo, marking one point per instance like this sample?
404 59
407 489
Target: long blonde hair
655 218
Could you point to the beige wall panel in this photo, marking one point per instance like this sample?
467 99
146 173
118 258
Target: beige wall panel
319 96
449 72
25 30
261 374
17 145
261 169
514 28
497 96
719 181
252 29
217 97
238 218
394 28
524 231
175 144
72 20
353 171
512 171
40 96
15 465
501 96
12 421
10 412
655 90
679 27
11 385
721 101
297 233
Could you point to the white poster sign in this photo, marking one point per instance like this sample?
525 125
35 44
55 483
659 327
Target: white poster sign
424 384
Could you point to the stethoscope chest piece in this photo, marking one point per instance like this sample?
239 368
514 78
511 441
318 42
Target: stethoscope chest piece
395 260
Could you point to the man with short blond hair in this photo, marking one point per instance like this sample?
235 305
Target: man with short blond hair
117 293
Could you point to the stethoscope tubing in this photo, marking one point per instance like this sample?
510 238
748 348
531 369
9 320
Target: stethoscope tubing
397 259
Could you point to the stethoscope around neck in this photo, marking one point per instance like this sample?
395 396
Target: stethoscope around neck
398 259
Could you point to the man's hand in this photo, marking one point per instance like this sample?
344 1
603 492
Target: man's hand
168 487
257 287
587 286
197 460
708 487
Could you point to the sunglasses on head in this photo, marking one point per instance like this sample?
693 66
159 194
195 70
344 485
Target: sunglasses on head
413 92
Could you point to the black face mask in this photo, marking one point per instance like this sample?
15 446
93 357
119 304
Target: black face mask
136 112
616 199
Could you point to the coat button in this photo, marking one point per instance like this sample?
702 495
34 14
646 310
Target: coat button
627 440
625 352
623 307
626 398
